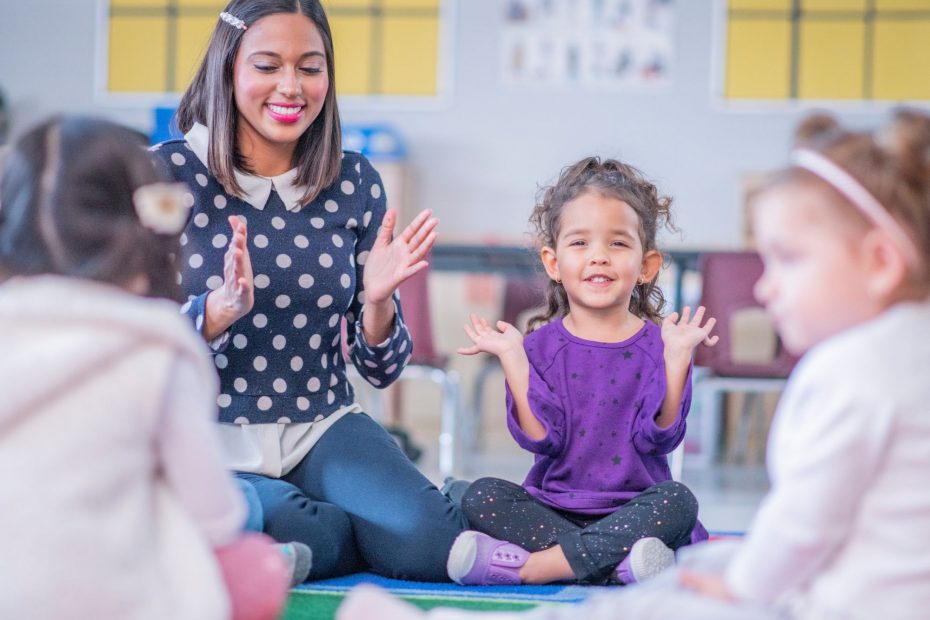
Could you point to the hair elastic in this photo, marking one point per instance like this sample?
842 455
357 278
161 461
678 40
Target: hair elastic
162 207
853 190
233 21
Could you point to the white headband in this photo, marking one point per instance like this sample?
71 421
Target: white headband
846 184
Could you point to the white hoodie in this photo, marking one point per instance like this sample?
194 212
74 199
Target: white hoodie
112 488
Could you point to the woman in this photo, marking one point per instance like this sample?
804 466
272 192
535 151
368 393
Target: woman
283 244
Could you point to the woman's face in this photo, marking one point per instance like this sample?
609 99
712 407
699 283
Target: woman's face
280 82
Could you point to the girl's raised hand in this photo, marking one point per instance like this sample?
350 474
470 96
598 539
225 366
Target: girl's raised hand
501 341
390 262
681 336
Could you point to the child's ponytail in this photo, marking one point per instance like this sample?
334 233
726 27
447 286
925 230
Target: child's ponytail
907 139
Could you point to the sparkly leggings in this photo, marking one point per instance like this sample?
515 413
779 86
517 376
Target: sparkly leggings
593 544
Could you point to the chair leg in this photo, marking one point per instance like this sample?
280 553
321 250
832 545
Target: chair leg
449 381
710 424
751 419
474 426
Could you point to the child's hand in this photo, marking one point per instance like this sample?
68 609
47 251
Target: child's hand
681 336
504 340
710 585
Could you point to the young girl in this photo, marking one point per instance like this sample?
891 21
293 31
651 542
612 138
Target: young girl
117 504
290 236
599 394
845 236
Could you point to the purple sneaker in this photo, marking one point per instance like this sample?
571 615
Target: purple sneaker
647 558
476 559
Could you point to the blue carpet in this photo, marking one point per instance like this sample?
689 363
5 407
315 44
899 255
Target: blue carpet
560 593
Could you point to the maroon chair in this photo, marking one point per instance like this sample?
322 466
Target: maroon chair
748 357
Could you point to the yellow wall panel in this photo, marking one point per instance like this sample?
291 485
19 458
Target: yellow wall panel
900 67
760 5
135 4
405 63
410 4
137 54
906 5
757 60
410 51
329 5
352 48
201 4
833 5
831 60
193 37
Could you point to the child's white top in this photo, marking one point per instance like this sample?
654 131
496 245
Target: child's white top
845 530
113 489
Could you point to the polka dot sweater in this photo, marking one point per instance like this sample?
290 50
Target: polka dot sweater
283 362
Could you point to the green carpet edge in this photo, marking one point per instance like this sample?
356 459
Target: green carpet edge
440 597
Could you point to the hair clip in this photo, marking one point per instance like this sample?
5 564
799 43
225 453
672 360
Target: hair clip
162 207
233 21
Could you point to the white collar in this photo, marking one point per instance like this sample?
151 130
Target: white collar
257 189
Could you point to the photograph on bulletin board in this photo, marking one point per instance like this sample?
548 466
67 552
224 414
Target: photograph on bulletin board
387 50
855 51
588 43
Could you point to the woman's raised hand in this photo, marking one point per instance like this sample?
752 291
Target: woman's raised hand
391 261
235 297
504 340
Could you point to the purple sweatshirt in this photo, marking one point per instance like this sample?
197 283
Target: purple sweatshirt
598 402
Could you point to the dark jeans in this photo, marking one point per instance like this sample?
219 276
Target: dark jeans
593 544
360 504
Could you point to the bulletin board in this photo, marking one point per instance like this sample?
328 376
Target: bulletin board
855 50
595 44
150 49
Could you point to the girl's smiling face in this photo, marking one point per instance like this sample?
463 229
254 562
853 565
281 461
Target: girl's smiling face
280 82
599 255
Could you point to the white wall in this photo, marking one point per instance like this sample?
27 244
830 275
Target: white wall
478 161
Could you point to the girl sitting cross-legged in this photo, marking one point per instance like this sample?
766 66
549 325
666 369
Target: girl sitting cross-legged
598 393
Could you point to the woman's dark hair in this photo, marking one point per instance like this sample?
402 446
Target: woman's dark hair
210 101
66 206
613 179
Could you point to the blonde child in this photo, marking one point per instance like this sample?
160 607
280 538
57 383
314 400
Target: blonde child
845 236
116 502
599 393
